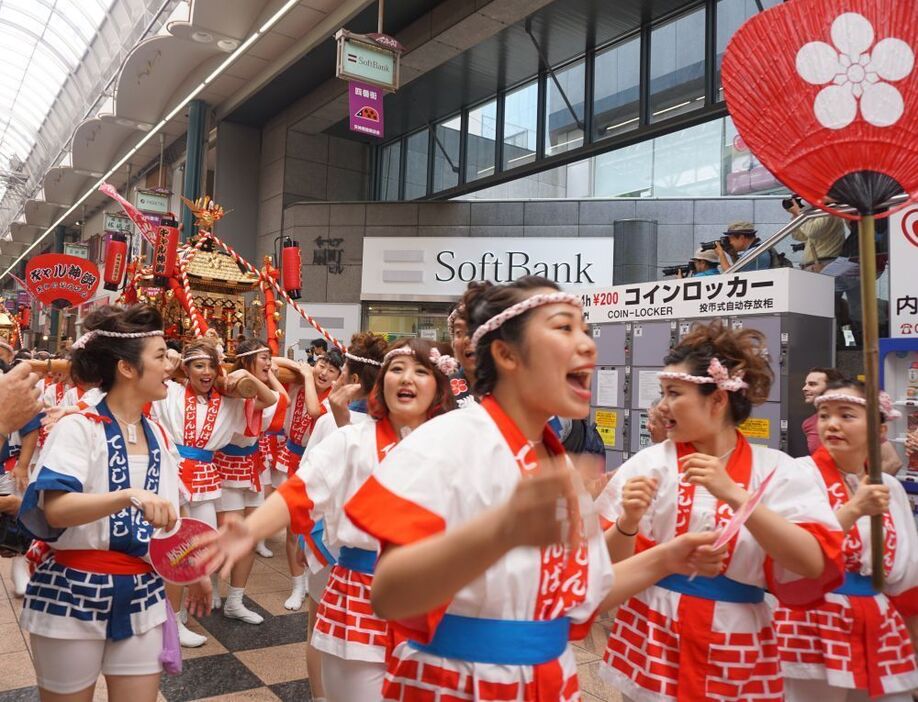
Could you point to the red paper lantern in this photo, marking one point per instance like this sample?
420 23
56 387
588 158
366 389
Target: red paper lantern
166 251
291 267
115 261
825 94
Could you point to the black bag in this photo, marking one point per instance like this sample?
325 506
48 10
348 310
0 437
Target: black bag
779 260
14 541
584 438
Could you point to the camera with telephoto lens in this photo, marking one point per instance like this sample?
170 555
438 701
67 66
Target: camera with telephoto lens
789 202
711 245
686 270
798 247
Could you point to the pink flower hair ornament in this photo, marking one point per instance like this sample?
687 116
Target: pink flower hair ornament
717 375
447 365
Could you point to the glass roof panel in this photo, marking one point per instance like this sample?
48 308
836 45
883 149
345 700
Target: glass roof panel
42 43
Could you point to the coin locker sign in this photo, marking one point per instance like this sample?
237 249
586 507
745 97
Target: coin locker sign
606 423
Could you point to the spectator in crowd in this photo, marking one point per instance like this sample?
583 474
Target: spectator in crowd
705 263
743 238
813 386
823 238
317 349
655 426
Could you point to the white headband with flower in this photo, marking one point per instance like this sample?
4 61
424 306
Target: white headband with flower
519 308
717 374
89 336
885 402
260 349
196 356
447 365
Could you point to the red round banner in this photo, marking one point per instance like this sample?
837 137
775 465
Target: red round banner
61 280
174 555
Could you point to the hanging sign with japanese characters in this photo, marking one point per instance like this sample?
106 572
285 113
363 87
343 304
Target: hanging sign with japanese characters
903 262
366 108
756 292
61 280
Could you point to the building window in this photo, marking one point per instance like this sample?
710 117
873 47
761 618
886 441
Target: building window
616 89
625 172
677 66
416 147
480 142
447 136
389 163
562 128
744 174
731 14
520 125
687 163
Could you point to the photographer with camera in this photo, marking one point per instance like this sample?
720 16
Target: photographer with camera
703 263
741 239
823 238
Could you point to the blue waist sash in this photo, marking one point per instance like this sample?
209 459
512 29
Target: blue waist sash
856 585
195 454
498 641
294 447
358 559
234 450
720 589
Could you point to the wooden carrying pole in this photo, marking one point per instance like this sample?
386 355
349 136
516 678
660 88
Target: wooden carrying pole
867 243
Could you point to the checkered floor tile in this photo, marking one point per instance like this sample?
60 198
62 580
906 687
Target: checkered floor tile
240 662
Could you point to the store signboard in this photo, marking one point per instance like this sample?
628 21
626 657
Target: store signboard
365 104
757 292
366 61
149 201
117 223
440 268
76 249
903 262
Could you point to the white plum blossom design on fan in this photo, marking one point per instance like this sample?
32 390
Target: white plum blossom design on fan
855 75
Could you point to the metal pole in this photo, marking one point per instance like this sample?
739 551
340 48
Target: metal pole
867 245
194 162
380 18
162 147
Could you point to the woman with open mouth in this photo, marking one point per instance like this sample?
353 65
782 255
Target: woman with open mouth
412 387
855 644
704 638
462 381
241 468
492 557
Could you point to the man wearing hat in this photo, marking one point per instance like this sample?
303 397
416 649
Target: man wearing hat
705 263
743 240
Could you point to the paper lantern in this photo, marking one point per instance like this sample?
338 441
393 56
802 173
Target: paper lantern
165 251
291 267
115 261
825 94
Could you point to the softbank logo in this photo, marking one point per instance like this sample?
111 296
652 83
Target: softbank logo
497 267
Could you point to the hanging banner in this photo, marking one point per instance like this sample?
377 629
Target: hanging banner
365 103
61 280
903 262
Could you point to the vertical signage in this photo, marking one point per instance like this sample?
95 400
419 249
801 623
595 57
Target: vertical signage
903 262
365 104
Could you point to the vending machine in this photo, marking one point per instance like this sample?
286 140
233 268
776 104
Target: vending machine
899 378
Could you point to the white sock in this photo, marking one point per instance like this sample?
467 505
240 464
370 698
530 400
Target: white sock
297 593
234 596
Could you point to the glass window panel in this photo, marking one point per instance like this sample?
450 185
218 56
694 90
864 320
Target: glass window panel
616 89
446 154
481 142
677 66
743 173
521 107
416 147
561 130
625 172
730 16
687 163
390 161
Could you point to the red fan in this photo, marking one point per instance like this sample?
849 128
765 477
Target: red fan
61 280
825 93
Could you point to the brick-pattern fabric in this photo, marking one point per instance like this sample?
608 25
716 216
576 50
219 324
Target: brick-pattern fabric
206 480
644 659
62 601
237 471
345 623
831 643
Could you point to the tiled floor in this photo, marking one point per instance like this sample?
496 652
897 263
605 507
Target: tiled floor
240 662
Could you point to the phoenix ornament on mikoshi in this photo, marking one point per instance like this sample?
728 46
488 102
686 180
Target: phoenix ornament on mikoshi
825 94
206 212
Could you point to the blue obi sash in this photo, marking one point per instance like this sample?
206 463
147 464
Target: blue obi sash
294 447
498 641
856 585
234 450
358 559
195 454
719 589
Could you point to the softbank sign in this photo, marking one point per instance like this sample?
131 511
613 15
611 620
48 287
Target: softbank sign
440 268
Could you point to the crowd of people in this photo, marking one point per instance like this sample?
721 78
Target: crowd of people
449 545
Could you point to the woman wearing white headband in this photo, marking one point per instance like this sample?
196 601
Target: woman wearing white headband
855 644
462 381
107 479
200 420
241 468
694 639
412 387
483 581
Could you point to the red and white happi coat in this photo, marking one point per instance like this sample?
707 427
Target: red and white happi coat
246 472
668 646
446 472
858 642
51 396
327 478
207 423
298 428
